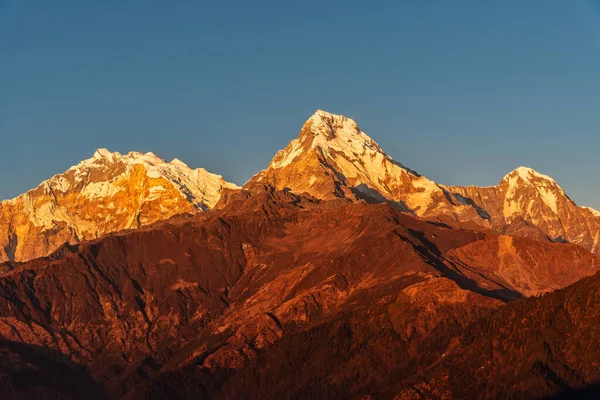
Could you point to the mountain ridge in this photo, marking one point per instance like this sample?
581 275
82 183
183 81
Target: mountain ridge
333 158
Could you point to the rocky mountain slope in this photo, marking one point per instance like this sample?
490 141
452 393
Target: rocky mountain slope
333 158
229 304
106 193
425 343
534 348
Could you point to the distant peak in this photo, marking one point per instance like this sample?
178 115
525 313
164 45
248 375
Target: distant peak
102 153
177 161
323 124
527 174
144 158
331 133
103 156
325 114
526 170
324 117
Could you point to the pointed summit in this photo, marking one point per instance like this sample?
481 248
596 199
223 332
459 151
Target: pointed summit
326 114
332 158
326 123
324 127
330 133
542 186
102 153
177 161
527 175
321 115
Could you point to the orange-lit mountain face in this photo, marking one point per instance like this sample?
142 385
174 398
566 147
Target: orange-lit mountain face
209 305
106 193
529 204
333 158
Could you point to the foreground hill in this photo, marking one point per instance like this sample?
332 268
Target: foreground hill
534 348
413 348
273 295
106 193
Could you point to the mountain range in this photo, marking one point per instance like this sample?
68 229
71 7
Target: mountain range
336 272
331 158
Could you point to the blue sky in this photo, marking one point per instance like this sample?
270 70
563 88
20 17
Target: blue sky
461 91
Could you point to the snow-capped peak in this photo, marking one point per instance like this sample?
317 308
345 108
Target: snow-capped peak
526 174
320 115
102 175
547 188
333 157
104 158
326 120
106 193
332 134
177 161
102 154
339 130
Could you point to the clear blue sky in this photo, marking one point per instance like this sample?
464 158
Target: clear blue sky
461 91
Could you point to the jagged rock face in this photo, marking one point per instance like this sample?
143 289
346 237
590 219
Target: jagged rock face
106 193
215 294
527 203
333 158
